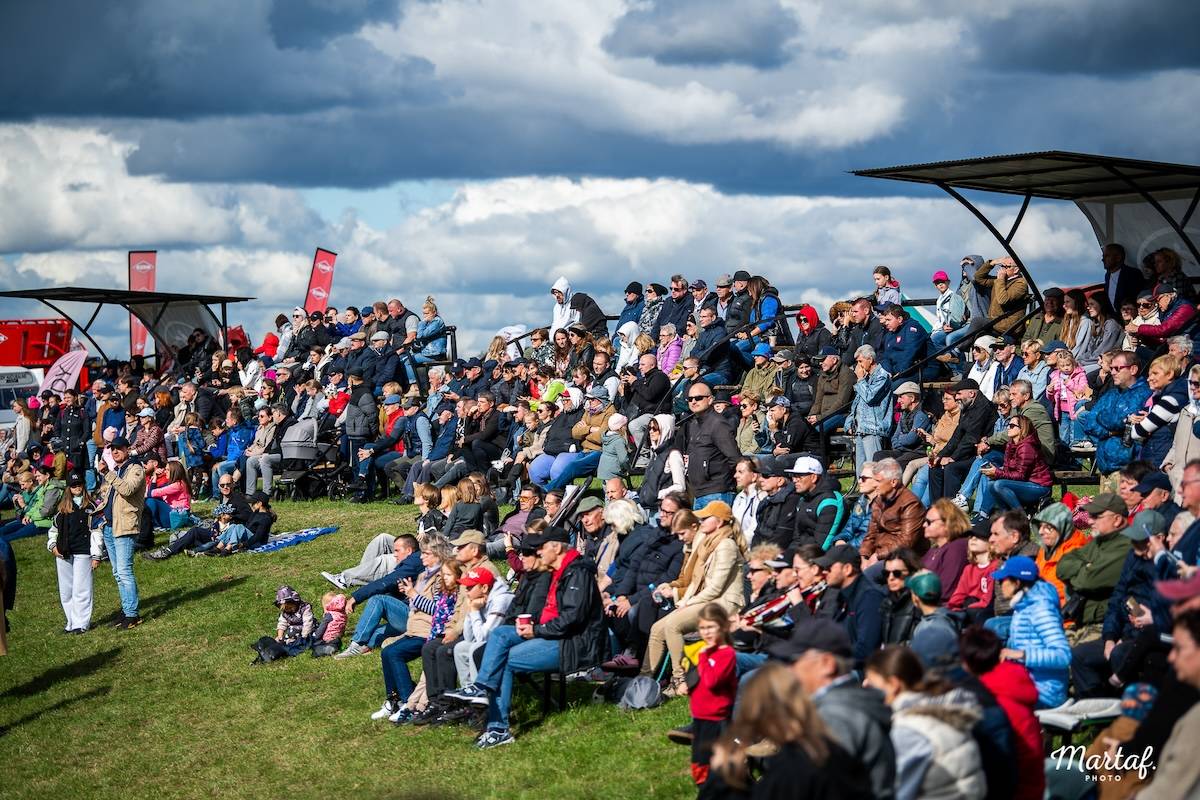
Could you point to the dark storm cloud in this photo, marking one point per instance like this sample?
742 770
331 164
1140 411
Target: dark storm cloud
1106 37
705 33
311 23
372 149
176 59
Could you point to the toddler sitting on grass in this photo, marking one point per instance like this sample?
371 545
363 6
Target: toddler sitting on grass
293 630
327 638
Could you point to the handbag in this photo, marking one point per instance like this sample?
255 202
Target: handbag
1073 609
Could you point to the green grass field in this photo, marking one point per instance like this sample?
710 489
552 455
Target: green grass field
174 709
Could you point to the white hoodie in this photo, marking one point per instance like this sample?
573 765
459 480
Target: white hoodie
674 468
563 315
629 354
478 624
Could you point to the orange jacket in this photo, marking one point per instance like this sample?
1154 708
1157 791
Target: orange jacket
1048 567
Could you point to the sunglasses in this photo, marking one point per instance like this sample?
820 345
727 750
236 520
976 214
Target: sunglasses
1122 366
761 569
696 398
1012 425
225 485
896 573
1145 305
1194 384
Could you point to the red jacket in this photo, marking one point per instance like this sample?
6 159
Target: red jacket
1016 694
1175 322
712 699
975 581
1023 461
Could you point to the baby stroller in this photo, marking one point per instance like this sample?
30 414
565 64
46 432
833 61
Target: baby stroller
312 464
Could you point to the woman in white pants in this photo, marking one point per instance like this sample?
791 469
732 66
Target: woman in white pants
71 542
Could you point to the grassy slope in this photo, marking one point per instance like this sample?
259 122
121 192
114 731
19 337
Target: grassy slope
173 709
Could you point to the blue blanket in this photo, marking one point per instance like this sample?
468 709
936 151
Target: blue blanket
282 540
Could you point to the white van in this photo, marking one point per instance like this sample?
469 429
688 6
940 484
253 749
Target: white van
15 383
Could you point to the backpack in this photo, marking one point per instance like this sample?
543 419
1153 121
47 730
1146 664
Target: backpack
632 694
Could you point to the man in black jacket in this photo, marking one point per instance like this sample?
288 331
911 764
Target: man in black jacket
709 449
568 636
975 424
675 309
864 328
484 440
777 511
737 313
73 428
819 510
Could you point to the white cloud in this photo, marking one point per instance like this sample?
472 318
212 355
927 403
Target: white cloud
490 252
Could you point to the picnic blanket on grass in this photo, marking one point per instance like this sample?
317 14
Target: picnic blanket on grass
279 541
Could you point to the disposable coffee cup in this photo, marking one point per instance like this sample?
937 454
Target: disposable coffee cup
524 619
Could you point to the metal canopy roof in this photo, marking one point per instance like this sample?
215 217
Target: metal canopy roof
162 313
1053 174
120 297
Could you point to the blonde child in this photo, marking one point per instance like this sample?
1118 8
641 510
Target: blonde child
711 699
327 638
1068 385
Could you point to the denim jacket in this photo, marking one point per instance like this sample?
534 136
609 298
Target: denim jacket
871 410
433 332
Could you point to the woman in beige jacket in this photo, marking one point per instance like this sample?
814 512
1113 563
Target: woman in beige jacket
712 573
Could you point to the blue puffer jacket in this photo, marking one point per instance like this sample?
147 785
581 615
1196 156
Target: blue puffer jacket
871 410
433 333
1037 630
1105 424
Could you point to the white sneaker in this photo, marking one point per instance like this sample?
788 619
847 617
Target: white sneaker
336 580
960 501
399 713
385 710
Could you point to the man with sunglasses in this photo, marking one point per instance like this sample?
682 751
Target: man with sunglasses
710 451
676 308
1104 424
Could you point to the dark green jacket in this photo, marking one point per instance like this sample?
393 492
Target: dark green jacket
1092 571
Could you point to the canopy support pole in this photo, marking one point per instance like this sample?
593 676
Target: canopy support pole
1149 198
1005 242
83 330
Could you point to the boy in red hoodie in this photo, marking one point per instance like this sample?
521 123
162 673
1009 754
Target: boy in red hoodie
711 699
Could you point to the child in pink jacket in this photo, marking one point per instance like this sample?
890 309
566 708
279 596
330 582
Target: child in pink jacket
1067 386
175 495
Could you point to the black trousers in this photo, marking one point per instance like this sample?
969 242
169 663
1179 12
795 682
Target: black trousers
191 540
480 455
946 481
437 660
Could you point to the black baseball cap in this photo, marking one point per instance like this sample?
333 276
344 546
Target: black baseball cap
838 554
823 635
551 534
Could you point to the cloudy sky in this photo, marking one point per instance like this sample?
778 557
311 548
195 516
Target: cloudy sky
475 150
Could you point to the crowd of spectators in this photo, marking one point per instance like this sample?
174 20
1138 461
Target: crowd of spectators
898 619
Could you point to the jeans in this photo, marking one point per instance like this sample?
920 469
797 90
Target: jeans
748 662
506 654
15 529
370 629
1016 494
120 555
920 484
75 590
540 468
705 499
865 448
956 336
90 476
219 469
414 359
976 481
394 660
831 423
716 378
369 466
999 626
569 466
159 511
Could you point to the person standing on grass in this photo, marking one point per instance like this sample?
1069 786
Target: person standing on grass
71 543
122 497
711 702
